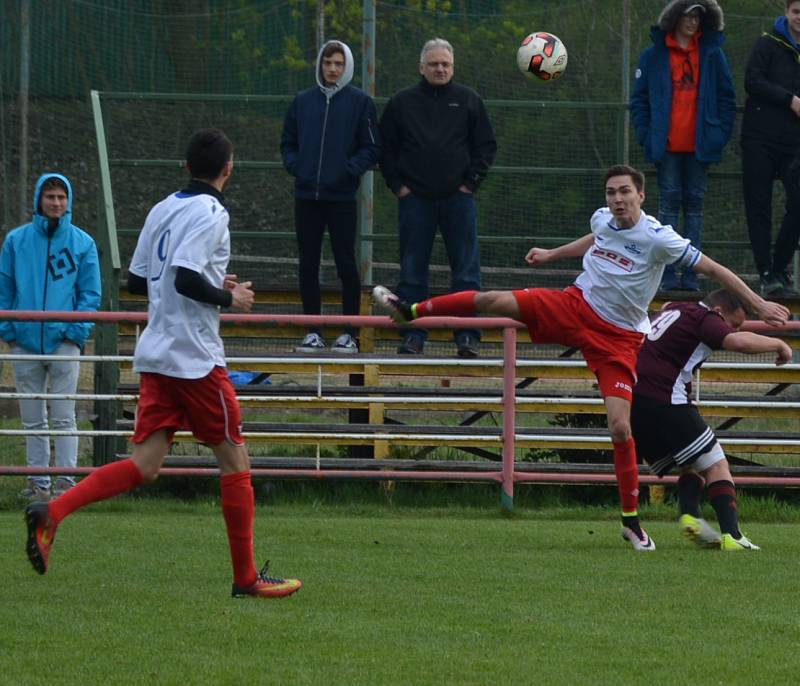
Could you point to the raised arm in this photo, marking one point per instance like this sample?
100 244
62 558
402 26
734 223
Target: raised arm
772 313
577 248
753 344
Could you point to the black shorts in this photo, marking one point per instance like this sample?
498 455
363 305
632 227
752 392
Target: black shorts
668 435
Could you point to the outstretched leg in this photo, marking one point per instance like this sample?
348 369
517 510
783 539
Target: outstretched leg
43 519
463 304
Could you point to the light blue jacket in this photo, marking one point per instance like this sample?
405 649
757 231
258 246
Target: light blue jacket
48 269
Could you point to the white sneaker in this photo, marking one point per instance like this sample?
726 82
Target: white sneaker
312 343
62 486
34 492
645 544
345 344
397 309
699 530
729 543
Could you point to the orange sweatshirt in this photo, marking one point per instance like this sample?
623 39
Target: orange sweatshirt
685 67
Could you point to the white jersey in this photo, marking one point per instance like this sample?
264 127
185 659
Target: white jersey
623 267
182 335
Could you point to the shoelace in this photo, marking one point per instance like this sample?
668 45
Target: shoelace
269 579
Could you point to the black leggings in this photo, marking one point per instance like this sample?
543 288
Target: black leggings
310 219
762 164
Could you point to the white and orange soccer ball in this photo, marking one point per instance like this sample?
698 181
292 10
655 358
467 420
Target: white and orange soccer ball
542 55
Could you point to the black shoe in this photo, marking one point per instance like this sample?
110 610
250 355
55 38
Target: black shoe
777 286
411 345
467 346
787 283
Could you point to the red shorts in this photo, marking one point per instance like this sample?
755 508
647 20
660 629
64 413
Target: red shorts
208 407
565 317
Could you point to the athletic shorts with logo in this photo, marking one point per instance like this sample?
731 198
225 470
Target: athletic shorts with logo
564 317
669 436
207 407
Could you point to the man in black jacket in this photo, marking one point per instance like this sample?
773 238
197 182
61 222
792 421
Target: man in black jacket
438 147
329 142
771 147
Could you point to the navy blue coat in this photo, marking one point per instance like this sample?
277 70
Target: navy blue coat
651 101
328 144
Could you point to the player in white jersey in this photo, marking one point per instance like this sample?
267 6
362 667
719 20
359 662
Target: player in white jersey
180 263
604 314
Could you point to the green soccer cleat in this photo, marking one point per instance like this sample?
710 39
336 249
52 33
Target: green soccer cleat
267 586
698 530
732 544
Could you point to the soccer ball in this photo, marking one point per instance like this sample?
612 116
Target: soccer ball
542 55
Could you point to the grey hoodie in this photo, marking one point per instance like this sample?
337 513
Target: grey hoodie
347 74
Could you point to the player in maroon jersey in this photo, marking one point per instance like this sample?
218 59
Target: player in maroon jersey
668 429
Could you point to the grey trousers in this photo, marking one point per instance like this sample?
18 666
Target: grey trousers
31 376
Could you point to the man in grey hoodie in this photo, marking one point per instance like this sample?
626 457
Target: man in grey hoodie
329 141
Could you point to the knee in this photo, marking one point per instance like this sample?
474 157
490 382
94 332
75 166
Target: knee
620 430
719 471
694 203
63 423
149 476
487 301
148 470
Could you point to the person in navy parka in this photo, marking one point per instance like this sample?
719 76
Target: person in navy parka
683 108
330 139
49 264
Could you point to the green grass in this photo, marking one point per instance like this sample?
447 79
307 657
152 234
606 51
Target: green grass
138 593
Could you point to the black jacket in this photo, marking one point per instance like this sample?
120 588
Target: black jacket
435 139
328 143
772 77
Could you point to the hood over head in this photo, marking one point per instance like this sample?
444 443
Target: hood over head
38 218
711 15
347 74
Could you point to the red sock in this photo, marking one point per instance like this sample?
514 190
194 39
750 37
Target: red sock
239 510
105 482
627 476
461 304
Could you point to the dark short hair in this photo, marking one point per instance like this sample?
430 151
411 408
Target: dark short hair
208 152
627 170
332 48
789 3
54 182
725 300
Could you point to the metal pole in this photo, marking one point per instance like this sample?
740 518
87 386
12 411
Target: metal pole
320 24
509 415
626 79
24 88
366 188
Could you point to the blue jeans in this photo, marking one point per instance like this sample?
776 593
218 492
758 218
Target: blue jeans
457 219
682 185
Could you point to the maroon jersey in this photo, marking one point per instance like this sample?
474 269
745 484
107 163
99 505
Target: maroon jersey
683 336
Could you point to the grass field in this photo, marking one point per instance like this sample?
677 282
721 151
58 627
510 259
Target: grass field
138 592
